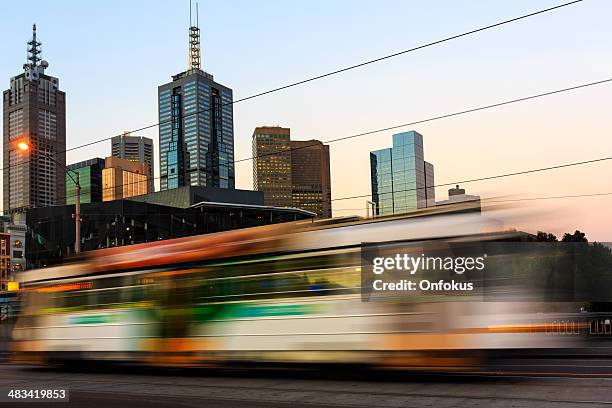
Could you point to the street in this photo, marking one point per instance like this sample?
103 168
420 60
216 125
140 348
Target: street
588 384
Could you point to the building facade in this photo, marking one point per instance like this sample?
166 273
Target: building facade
457 195
17 234
135 148
34 137
123 178
310 177
90 181
196 127
402 180
272 165
5 262
291 173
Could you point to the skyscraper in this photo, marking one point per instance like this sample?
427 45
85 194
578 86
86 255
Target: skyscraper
34 117
90 181
271 169
123 178
401 179
134 148
196 131
291 173
310 177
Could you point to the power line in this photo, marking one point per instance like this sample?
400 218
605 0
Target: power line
550 197
493 177
434 118
362 64
513 200
335 72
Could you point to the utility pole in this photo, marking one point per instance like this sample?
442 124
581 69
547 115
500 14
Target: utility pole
24 146
368 205
77 214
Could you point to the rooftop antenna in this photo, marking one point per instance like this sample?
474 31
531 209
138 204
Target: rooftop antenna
34 49
194 40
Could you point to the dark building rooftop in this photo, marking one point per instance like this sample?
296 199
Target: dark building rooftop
183 197
51 233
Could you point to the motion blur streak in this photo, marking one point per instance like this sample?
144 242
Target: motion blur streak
278 294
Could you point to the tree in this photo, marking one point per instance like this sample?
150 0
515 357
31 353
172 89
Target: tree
542 236
577 236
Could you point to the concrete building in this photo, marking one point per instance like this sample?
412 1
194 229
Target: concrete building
17 247
291 173
310 177
402 180
6 275
122 178
34 137
457 195
196 131
135 148
90 181
272 165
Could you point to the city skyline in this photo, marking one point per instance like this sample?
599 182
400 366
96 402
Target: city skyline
538 133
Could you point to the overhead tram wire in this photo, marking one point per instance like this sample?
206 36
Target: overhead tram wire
464 181
434 118
486 201
329 74
485 178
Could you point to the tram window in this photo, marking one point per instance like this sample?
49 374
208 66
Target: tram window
73 299
136 294
107 297
280 285
108 283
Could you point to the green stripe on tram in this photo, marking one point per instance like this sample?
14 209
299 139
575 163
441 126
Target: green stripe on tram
241 311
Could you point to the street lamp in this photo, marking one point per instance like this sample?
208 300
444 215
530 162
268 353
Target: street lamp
25 146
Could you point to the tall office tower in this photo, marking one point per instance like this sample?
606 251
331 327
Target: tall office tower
90 181
196 131
402 180
34 137
291 173
310 177
271 169
135 148
123 178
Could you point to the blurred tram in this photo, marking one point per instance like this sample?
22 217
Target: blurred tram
287 293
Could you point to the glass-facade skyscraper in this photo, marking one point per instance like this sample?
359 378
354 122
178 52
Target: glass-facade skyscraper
196 126
196 132
90 181
402 180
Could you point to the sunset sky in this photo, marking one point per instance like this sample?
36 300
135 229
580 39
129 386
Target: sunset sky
110 57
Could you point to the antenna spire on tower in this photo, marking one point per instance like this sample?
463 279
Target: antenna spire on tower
194 41
34 49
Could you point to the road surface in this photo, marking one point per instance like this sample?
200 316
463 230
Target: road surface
588 386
